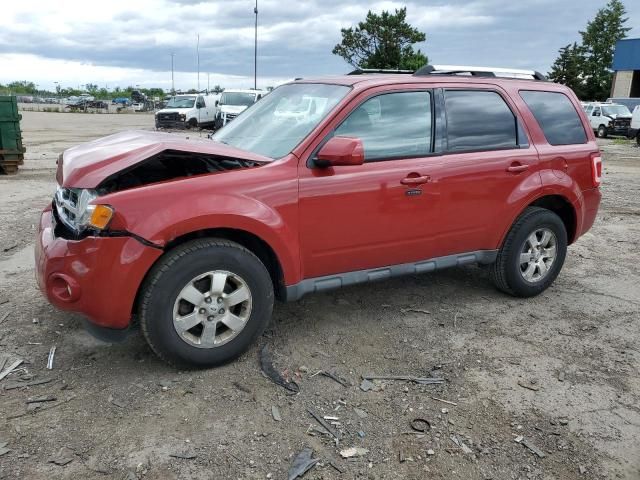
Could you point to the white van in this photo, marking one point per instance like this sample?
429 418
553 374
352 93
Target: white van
634 130
188 111
608 118
233 102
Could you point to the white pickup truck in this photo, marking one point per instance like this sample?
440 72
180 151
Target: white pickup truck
233 102
188 111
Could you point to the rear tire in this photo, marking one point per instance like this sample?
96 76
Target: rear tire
524 269
602 131
638 139
189 271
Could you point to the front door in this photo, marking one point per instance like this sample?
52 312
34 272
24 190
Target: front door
375 214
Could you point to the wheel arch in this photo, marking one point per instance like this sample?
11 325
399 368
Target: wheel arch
252 242
558 204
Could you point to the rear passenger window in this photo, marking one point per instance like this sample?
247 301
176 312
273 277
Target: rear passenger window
479 120
557 117
392 125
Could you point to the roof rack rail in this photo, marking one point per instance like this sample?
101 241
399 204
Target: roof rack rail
363 71
480 72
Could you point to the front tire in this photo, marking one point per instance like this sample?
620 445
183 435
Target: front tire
602 131
205 302
532 255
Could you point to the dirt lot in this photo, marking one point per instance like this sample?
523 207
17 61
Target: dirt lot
121 413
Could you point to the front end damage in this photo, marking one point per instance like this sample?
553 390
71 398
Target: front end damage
86 259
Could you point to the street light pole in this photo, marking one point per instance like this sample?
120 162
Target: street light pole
198 60
255 50
173 85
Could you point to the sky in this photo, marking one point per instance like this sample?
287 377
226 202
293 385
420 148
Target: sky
129 42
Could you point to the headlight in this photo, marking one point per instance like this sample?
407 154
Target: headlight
74 209
183 116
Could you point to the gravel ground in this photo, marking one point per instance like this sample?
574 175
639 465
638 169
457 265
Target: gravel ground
560 370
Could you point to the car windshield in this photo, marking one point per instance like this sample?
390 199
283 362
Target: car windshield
237 98
616 110
181 102
276 124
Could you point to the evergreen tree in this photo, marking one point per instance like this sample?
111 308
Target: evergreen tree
567 69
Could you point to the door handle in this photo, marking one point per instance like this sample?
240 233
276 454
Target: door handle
415 180
517 168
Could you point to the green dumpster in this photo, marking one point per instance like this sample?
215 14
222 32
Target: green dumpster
11 149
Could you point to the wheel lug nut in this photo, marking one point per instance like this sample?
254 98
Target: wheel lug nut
210 318
207 300
221 311
202 311
219 299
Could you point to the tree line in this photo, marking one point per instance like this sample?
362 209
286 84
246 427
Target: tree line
385 41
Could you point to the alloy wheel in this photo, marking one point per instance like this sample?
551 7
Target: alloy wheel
212 309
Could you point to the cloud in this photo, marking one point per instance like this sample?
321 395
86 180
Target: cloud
136 37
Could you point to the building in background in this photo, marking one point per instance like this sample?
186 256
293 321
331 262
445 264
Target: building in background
626 67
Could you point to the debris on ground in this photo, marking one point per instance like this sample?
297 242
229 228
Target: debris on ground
367 385
445 401
405 378
11 368
46 398
461 444
275 413
420 424
63 457
532 385
52 353
302 463
520 439
335 434
333 377
3 448
353 452
266 365
4 317
116 402
360 413
415 310
183 455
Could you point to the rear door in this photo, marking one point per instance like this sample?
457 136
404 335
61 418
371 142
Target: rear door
488 164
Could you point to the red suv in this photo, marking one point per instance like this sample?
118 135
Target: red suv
321 184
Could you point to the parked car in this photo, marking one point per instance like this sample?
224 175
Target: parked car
188 111
391 175
634 130
233 102
609 118
124 101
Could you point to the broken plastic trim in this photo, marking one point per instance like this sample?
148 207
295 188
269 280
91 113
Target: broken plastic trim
170 165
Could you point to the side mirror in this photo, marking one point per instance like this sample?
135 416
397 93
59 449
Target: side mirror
340 151
217 102
596 114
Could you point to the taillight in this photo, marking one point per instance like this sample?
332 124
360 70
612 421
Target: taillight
596 169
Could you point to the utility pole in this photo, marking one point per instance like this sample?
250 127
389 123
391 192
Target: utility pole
255 50
198 60
173 85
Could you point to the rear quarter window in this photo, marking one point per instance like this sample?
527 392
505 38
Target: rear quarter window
557 117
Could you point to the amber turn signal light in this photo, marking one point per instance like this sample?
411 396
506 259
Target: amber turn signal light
101 216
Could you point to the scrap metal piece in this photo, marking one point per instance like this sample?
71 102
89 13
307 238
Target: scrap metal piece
335 434
302 464
52 353
266 365
11 368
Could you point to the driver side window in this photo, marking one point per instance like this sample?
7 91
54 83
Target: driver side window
200 102
391 126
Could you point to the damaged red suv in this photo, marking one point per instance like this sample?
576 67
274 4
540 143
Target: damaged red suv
323 183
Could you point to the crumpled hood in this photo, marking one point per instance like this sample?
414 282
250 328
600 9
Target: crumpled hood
88 164
615 116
